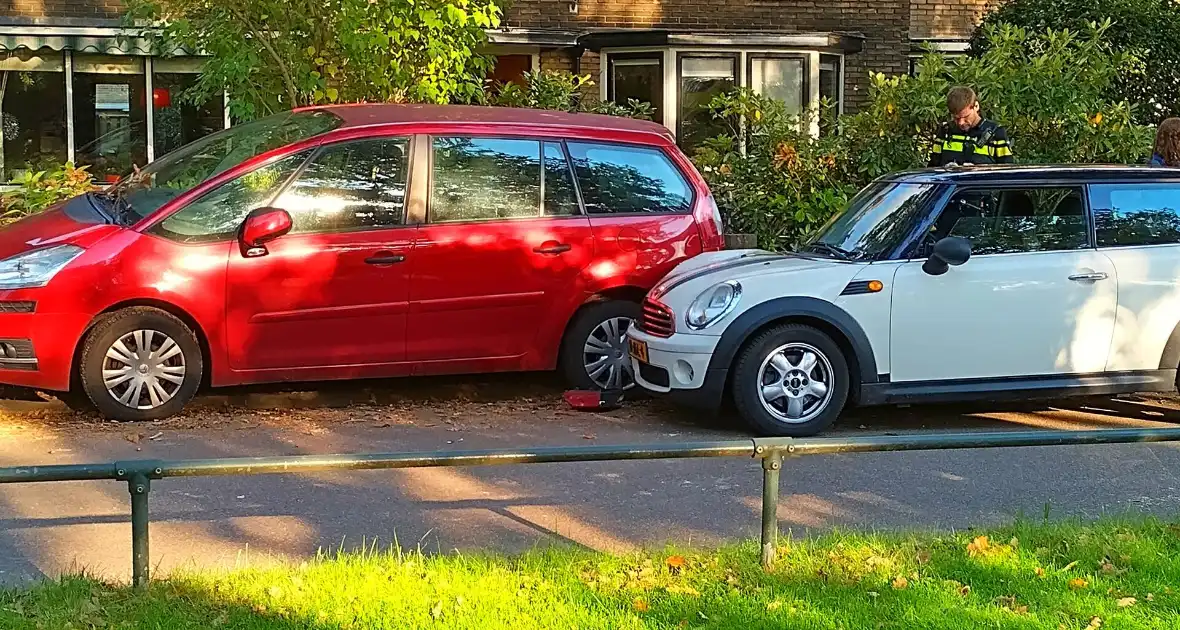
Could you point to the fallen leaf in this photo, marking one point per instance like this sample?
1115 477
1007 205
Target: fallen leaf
589 436
1039 572
775 605
979 546
1150 597
1095 623
964 590
436 611
874 594
134 438
900 583
1015 542
923 557
640 605
675 562
1078 583
1127 602
1108 568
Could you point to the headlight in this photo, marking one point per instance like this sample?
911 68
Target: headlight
713 304
36 268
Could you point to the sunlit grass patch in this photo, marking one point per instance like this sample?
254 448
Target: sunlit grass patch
1121 574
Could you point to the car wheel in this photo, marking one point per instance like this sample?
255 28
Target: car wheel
791 381
594 350
140 364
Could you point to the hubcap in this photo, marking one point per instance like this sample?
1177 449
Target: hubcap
605 355
795 381
143 369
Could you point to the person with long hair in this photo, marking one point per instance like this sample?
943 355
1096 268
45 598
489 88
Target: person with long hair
1166 151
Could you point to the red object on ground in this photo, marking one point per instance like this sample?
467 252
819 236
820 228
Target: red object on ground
593 400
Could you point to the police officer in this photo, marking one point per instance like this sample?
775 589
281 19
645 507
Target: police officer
969 138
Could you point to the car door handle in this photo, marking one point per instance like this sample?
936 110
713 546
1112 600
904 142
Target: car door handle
384 258
1088 277
552 248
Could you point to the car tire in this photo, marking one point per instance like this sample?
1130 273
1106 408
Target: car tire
113 345
597 319
778 358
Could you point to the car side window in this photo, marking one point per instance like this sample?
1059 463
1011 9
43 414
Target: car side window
622 179
476 179
217 214
561 198
350 186
1014 220
1129 215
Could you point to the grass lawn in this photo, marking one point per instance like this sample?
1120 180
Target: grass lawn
1112 575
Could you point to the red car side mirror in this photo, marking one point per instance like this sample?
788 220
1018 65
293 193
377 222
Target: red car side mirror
262 226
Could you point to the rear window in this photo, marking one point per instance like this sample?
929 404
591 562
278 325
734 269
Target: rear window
619 179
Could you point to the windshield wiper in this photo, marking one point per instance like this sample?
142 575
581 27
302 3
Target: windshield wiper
832 250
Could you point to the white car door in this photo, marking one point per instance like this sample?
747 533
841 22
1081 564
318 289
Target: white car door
1138 227
1034 299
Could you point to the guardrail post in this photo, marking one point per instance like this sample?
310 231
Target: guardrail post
139 485
772 463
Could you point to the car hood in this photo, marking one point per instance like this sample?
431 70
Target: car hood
74 222
720 266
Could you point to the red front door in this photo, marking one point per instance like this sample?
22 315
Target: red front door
493 263
334 292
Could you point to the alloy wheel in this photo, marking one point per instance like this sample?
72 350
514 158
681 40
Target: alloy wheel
795 383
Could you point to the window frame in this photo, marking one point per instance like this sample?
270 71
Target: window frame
426 143
1093 219
681 55
805 87
324 146
910 247
688 181
657 56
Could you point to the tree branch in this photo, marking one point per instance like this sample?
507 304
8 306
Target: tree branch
292 89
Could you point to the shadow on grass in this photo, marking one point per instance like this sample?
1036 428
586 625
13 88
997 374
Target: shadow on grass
1026 576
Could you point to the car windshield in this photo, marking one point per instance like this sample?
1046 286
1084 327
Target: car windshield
874 222
141 193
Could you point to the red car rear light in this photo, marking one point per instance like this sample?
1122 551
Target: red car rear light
710 224
657 319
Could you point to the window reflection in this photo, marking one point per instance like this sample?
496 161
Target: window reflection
1015 221
32 112
701 80
619 179
1143 214
350 186
110 114
485 178
175 121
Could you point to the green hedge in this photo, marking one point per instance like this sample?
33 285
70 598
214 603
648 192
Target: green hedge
1049 89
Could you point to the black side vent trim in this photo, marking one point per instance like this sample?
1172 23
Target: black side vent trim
17 307
858 287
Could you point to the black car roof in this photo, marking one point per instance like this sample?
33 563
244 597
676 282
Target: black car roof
1034 174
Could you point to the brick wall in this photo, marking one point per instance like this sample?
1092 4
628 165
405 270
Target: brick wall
884 23
82 9
946 19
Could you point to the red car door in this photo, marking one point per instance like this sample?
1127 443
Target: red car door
334 292
640 207
503 241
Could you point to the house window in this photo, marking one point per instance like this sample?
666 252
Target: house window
510 69
110 114
702 78
33 129
176 121
781 78
639 78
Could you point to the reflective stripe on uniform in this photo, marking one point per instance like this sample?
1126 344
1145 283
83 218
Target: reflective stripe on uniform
952 147
1003 151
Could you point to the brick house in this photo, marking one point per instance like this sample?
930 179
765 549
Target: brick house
72 88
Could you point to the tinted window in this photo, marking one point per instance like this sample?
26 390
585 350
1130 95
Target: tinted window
1015 220
618 179
1140 214
875 222
485 178
219 213
355 185
560 196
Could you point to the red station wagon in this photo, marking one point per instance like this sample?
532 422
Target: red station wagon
352 242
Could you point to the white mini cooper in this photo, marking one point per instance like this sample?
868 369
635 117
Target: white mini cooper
933 285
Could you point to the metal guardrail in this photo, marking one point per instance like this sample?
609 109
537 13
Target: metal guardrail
139 474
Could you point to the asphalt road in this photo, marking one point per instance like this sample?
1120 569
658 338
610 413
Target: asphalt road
46 529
